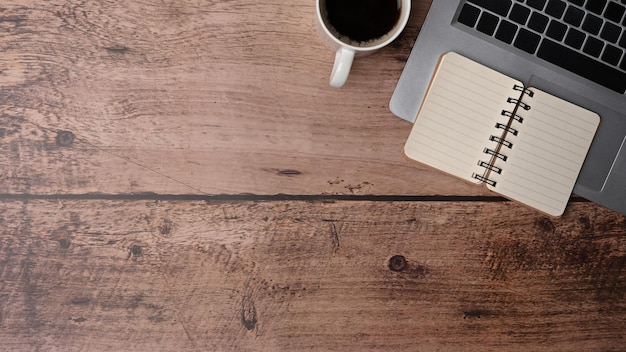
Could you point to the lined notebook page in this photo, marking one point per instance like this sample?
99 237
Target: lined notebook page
547 154
458 115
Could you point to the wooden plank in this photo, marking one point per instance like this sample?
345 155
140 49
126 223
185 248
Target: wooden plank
139 275
189 97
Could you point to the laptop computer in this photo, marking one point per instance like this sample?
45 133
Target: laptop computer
573 49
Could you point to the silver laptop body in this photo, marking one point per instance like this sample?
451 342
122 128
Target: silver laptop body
603 176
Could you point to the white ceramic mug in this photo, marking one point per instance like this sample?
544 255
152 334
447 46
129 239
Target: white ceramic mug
346 48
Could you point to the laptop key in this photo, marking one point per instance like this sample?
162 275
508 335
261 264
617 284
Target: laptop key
469 15
610 32
592 24
527 41
501 7
596 6
506 32
582 65
487 23
593 47
538 22
574 16
519 14
575 38
556 30
555 8
614 12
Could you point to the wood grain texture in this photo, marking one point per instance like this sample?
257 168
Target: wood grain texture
188 97
286 276
179 176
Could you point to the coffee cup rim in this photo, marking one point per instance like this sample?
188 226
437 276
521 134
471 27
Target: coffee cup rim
397 29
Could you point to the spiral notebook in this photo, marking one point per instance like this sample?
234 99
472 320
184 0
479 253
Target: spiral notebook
487 128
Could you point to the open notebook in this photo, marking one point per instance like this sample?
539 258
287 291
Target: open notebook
485 127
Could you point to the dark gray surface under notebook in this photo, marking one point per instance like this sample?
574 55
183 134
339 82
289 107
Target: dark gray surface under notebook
574 49
586 39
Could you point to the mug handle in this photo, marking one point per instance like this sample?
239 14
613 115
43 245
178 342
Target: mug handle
341 68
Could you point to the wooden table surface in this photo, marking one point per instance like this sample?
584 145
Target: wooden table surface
179 176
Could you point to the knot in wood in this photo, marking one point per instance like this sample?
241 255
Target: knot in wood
136 250
65 138
64 243
397 263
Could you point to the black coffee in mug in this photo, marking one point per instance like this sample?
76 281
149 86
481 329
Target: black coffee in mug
362 21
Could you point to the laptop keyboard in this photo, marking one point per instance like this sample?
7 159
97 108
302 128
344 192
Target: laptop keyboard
586 37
